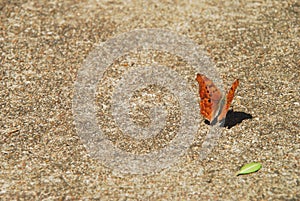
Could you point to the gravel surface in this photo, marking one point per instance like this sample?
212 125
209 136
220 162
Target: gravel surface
43 46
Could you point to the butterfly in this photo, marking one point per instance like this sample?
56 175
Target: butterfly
213 105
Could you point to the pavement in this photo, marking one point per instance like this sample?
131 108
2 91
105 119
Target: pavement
46 44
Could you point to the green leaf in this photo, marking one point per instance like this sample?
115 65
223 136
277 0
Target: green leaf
249 168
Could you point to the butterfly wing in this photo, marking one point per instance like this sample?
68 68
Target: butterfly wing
210 97
229 99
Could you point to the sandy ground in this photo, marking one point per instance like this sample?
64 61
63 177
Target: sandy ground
43 45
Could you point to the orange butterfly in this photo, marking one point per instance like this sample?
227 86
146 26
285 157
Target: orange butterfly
212 99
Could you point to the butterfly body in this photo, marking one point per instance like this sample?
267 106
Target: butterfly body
213 105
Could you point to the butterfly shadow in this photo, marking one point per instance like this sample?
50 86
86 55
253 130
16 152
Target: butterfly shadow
234 118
